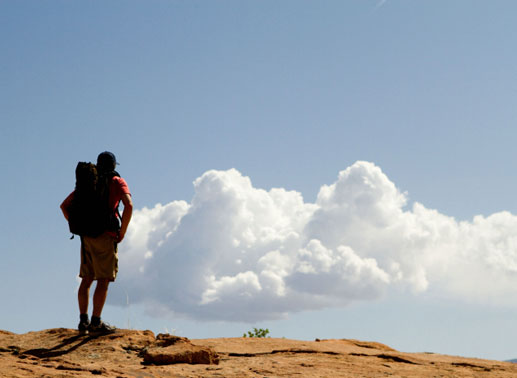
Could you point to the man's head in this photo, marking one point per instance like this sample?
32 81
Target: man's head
106 162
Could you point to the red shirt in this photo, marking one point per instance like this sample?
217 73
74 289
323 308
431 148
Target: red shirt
118 187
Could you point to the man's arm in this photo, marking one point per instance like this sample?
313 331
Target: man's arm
64 210
65 204
126 215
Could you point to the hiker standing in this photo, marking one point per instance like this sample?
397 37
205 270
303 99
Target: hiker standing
99 260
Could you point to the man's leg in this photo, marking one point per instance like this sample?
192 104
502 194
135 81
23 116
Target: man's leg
99 297
83 294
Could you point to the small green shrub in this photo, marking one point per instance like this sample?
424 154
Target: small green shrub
257 332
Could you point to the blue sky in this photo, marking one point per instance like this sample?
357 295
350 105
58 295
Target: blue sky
289 94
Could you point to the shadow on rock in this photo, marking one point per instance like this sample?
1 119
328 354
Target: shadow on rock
66 346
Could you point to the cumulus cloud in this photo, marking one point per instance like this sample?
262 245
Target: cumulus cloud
237 252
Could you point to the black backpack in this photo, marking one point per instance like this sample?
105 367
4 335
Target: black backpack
89 213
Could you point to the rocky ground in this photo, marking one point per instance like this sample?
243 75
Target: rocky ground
128 353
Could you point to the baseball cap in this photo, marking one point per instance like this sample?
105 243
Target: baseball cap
106 159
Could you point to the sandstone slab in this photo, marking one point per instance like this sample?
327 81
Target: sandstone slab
168 350
63 353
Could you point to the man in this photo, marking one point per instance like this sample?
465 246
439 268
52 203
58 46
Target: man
99 260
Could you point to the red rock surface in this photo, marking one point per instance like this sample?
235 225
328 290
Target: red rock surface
63 353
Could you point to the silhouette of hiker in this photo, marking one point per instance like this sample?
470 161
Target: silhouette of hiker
99 259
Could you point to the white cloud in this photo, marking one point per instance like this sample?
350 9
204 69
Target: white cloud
241 253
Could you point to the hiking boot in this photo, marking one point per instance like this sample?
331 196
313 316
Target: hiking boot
101 329
83 327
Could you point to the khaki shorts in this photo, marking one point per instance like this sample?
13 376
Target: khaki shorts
99 257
